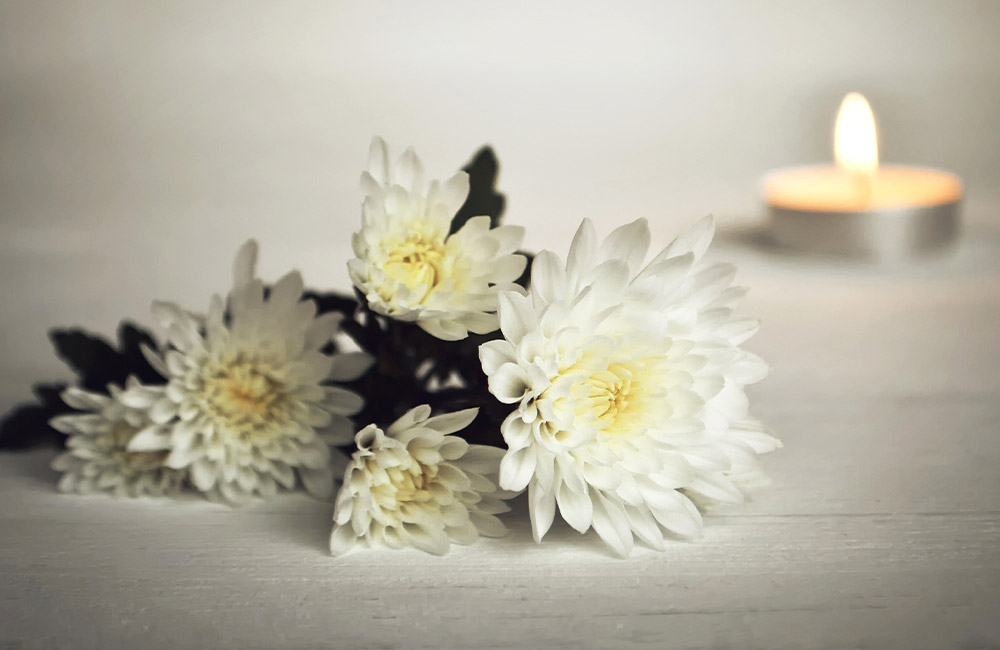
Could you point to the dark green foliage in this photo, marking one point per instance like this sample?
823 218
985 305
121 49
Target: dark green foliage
27 425
483 199
411 365
96 363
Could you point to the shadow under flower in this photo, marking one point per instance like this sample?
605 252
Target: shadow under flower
294 517
33 466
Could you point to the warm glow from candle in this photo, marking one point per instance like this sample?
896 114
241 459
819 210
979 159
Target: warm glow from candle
857 183
855 143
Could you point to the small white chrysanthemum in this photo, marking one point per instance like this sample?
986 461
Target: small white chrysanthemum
245 403
98 458
630 387
416 485
407 265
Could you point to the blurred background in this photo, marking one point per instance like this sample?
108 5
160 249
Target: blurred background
141 143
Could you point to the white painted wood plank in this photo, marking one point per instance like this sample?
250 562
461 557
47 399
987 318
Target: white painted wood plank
881 528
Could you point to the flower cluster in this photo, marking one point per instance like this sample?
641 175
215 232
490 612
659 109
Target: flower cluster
245 408
410 268
461 373
629 386
416 485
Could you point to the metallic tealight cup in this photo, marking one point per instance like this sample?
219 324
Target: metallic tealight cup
879 234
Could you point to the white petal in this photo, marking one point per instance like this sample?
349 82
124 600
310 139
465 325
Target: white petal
541 510
453 192
582 252
508 237
516 468
342 540
575 507
286 292
716 486
203 474
680 517
548 277
738 330
452 422
644 526
696 240
427 539
601 477
244 264
322 329
154 359
452 449
509 383
493 354
748 369
453 477
343 401
83 400
444 329
152 438
167 312
378 161
516 315
67 424
416 415
369 186
409 171
162 411
628 243
488 525
482 459
464 534
318 482
758 440
141 397
612 525
350 366
516 432
710 282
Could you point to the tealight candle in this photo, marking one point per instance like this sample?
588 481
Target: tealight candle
859 208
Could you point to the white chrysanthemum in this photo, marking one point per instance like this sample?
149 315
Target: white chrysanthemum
407 265
416 485
98 458
630 387
245 403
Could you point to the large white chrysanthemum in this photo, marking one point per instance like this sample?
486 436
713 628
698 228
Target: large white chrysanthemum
416 485
410 269
630 387
245 404
97 457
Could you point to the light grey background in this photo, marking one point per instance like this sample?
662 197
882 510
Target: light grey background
141 143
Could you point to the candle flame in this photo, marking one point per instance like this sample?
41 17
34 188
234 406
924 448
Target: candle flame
855 143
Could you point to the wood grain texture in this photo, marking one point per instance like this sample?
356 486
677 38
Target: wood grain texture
881 528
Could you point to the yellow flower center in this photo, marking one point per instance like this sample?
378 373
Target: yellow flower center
246 395
609 392
410 484
417 262
619 399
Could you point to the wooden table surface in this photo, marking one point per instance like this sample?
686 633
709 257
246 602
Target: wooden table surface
881 528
